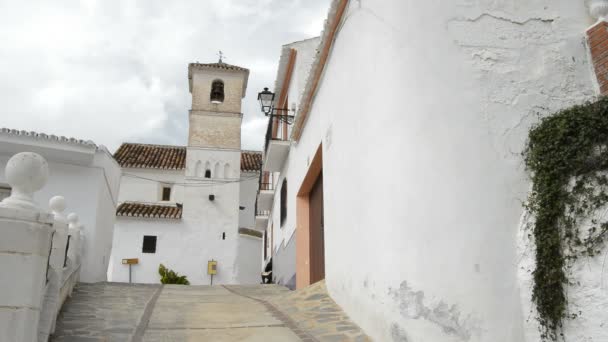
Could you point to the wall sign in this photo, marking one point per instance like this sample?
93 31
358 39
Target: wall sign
212 267
133 261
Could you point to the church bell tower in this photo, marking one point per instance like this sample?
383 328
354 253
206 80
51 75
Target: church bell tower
213 157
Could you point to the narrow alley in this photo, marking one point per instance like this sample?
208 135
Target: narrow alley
112 312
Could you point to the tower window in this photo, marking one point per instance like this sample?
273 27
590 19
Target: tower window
283 201
166 193
217 92
149 244
207 173
224 236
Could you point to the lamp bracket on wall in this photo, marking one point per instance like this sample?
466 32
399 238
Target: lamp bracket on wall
288 119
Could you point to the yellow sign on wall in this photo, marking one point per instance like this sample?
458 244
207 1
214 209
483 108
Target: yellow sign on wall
212 267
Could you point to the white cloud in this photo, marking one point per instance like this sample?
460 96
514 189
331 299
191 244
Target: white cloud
116 70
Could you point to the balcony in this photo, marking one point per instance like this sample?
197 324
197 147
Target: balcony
265 195
277 143
261 219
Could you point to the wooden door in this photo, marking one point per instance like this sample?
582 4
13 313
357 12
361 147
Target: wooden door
317 241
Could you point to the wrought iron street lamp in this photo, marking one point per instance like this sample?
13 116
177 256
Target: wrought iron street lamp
266 99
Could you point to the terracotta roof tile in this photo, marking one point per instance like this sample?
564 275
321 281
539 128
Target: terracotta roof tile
251 161
171 157
151 156
132 209
222 65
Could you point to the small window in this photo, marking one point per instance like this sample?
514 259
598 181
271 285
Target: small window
149 244
283 201
224 236
166 193
4 192
207 173
217 92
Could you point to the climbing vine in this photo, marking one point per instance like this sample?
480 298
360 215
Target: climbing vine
567 154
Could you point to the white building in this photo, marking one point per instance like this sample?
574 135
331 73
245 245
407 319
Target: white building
403 168
294 66
182 206
89 179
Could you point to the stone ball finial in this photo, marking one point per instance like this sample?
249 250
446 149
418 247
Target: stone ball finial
73 220
58 205
26 172
598 9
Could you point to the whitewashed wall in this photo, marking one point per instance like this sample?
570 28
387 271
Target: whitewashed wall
423 110
248 264
139 185
186 245
248 192
306 51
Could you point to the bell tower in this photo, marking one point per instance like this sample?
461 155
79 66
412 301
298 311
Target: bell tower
217 91
213 158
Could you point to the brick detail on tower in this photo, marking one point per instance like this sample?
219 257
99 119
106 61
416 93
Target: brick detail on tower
597 37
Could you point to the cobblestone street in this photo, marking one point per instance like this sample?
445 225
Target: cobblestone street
121 312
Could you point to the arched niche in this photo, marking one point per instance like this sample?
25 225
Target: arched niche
217 172
198 169
227 171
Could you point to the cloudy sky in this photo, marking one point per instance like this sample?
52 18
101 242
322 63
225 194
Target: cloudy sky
116 70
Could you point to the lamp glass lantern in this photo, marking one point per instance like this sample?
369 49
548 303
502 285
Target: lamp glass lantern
266 99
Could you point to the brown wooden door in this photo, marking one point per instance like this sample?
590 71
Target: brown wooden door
317 241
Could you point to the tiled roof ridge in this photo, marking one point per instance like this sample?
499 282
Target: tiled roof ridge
150 156
220 65
169 157
51 137
153 145
149 210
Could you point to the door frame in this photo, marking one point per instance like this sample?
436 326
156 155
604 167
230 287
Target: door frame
303 266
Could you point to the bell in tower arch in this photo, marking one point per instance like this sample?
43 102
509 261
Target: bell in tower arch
217 92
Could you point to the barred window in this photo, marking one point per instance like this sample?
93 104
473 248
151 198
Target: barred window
149 245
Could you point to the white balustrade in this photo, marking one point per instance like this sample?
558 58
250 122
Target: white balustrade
57 267
75 231
25 244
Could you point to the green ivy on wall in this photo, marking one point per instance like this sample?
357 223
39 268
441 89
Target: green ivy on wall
567 154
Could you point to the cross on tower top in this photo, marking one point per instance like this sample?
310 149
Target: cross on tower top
221 55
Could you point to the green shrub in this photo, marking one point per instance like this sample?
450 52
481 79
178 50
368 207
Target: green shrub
168 276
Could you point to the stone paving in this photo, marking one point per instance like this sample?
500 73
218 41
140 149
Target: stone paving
102 312
313 310
111 312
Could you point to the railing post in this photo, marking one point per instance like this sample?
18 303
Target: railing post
52 301
74 229
25 241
